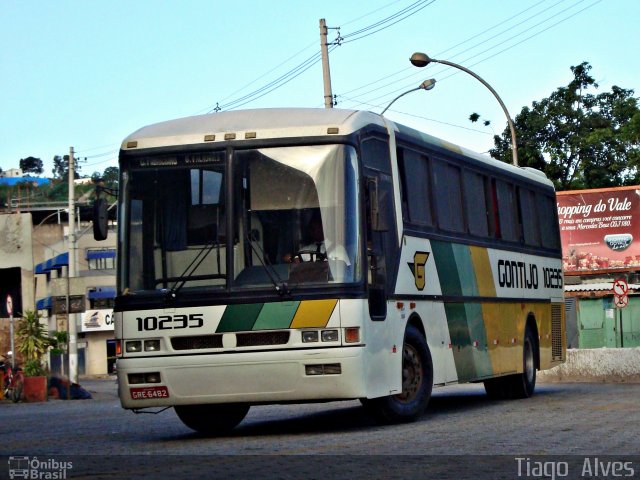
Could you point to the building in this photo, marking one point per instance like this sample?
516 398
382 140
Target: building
11 173
91 292
34 263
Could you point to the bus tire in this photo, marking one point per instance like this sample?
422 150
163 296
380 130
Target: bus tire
417 383
214 419
521 385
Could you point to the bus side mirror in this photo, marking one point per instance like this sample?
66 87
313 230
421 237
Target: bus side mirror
100 219
378 203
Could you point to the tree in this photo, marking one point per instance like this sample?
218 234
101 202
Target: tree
61 167
580 140
31 165
110 177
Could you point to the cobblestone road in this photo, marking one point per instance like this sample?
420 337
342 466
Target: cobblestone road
568 421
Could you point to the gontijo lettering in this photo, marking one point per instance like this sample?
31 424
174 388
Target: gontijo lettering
514 274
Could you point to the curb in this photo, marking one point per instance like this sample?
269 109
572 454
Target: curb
611 365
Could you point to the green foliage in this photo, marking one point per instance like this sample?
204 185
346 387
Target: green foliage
59 342
60 166
31 165
580 140
110 176
33 341
33 368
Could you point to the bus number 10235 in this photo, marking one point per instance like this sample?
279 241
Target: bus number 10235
170 322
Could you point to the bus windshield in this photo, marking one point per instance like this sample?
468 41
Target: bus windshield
283 216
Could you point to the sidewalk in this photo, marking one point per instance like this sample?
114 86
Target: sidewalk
612 365
100 386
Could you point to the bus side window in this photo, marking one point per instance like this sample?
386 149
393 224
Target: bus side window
507 208
529 216
548 218
415 187
494 217
475 202
447 185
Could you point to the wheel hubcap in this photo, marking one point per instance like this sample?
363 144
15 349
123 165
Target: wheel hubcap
412 374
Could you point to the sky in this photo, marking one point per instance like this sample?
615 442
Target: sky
89 73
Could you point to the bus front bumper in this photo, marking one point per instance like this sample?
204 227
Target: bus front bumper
249 377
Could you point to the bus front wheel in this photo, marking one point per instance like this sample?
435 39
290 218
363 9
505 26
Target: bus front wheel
212 419
417 383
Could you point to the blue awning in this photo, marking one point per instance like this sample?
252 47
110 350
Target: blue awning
102 292
44 304
97 254
54 263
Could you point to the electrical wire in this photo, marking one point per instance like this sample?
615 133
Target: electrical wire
502 22
398 17
474 56
282 80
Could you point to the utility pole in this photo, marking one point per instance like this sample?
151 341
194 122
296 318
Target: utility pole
71 273
326 73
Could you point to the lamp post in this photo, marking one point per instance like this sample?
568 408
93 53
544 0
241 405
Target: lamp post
419 59
426 85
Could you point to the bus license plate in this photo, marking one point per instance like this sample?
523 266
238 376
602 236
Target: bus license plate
146 393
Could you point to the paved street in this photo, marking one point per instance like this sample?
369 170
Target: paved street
566 420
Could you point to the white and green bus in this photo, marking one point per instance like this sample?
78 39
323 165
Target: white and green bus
296 255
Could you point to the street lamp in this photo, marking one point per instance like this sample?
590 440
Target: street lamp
426 85
419 59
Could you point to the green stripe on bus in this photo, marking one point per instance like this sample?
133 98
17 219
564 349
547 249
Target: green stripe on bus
447 268
478 333
276 315
238 318
466 327
460 341
466 272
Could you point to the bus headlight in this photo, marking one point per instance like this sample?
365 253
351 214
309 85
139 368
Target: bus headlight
133 346
329 335
310 336
151 345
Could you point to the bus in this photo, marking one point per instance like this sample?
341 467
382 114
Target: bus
306 255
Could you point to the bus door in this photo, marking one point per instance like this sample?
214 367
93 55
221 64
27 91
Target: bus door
380 225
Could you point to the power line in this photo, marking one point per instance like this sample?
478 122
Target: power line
502 22
389 21
315 58
435 74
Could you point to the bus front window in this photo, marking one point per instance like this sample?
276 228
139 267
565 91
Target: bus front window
175 223
297 216
294 220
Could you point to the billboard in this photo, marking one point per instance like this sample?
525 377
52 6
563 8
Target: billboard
600 229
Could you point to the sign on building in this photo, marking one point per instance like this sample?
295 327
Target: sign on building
600 229
97 320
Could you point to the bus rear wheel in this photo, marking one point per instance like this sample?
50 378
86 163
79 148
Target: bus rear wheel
521 385
417 383
215 419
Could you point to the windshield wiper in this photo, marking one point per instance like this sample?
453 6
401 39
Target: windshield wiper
281 286
192 267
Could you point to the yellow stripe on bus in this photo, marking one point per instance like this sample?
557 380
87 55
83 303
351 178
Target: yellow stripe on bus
313 313
482 267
